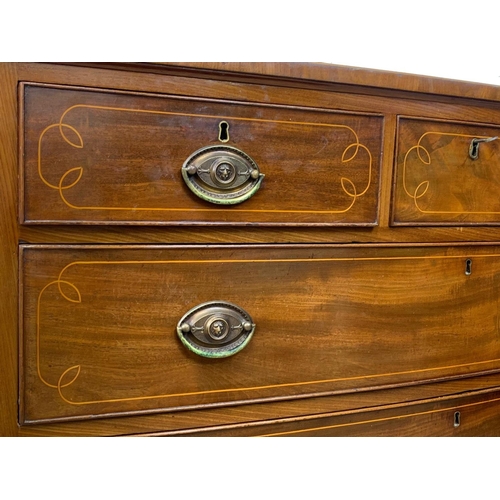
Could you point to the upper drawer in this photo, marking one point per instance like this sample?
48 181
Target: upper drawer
446 173
100 157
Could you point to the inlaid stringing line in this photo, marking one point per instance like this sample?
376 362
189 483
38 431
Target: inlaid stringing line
385 419
416 195
77 368
79 170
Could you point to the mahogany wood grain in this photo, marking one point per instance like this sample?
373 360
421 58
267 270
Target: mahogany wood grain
237 415
384 235
99 323
8 250
349 75
388 322
253 90
457 110
95 157
466 415
356 79
437 182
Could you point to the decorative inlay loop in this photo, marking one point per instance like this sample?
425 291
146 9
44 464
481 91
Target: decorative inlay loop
424 157
216 328
73 175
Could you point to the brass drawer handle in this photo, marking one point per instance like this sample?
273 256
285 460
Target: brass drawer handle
215 329
222 175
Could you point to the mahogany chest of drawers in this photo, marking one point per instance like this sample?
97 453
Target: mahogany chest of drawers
248 249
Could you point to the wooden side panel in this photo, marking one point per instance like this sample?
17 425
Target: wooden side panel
8 252
100 323
109 157
437 182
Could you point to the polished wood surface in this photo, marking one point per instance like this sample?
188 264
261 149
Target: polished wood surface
116 158
99 324
188 420
415 335
8 251
471 415
359 80
439 180
308 94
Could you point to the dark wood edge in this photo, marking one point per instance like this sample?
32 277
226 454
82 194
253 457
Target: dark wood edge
395 169
20 158
179 97
296 72
8 252
247 246
223 224
447 121
20 336
393 173
272 399
430 224
380 162
356 411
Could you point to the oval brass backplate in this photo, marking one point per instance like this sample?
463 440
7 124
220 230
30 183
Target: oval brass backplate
222 175
215 329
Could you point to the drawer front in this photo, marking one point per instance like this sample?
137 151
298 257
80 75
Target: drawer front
447 173
475 415
111 157
102 326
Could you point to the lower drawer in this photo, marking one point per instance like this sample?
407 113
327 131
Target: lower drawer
473 415
103 328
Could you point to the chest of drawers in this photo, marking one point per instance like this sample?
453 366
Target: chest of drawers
256 249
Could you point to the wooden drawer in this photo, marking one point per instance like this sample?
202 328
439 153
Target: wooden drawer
142 264
104 157
99 324
437 180
472 415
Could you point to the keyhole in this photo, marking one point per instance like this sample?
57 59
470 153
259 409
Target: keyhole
474 150
456 419
223 131
468 267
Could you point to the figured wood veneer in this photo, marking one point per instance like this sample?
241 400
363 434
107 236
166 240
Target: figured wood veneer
437 182
381 333
99 324
95 157
472 414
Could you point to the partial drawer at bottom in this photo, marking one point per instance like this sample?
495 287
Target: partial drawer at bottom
124 330
473 415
